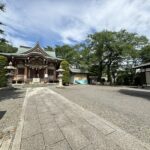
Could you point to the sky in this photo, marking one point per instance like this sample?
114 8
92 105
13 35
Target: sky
58 22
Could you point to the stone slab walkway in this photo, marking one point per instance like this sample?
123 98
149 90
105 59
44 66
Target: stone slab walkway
51 122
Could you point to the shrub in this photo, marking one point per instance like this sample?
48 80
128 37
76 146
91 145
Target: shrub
3 63
66 73
125 78
139 79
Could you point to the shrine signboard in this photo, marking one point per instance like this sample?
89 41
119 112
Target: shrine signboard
36 80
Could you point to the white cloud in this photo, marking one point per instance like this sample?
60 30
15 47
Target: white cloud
71 20
16 41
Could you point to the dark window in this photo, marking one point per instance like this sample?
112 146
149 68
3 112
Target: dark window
50 72
21 71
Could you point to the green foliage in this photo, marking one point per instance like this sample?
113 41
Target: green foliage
7 48
2 8
66 52
125 78
145 54
108 53
66 73
4 45
49 48
83 58
114 50
139 79
3 63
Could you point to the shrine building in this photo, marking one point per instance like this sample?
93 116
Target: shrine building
34 64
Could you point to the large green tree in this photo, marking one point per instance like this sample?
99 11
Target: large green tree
97 45
145 54
114 50
66 52
83 58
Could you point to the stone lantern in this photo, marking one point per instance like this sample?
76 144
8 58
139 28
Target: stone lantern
10 73
60 76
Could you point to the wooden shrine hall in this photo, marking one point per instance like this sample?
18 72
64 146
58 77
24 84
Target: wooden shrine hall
34 64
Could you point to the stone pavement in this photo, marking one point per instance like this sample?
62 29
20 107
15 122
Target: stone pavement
11 101
51 122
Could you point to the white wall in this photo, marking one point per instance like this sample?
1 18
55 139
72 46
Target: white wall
148 78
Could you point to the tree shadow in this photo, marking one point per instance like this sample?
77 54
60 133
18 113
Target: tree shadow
141 94
2 113
10 94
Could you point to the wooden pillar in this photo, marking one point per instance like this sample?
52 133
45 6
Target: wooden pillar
16 74
25 74
46 75
46 70
54 74
28 72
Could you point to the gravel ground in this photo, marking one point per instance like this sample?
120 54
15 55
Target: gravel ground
125 107
11 101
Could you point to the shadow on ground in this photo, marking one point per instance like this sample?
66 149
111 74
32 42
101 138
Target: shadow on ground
142 94
14 93
2 113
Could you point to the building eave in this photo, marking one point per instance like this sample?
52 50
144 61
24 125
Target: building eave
142 65
79 71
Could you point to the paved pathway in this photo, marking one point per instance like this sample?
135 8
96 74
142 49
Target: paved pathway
51 122
127 108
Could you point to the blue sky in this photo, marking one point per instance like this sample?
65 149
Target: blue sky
54 22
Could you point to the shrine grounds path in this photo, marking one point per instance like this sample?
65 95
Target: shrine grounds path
128 108
90 118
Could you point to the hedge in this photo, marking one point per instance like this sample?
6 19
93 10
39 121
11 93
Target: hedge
66 73
3 79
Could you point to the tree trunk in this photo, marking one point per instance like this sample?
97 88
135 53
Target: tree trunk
109 74
100 71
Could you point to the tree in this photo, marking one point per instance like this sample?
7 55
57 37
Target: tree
66 52
2 8
7 48
4 45
49 48
97 45
123 52
114 50
83 57
3 63
66 73
145 54
107 52
132 44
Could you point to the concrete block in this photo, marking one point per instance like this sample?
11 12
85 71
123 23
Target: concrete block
33 143
30 128
52 135
62 145
75 138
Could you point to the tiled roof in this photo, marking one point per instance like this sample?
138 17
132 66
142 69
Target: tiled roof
74 70
11 54
51 53
22 51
